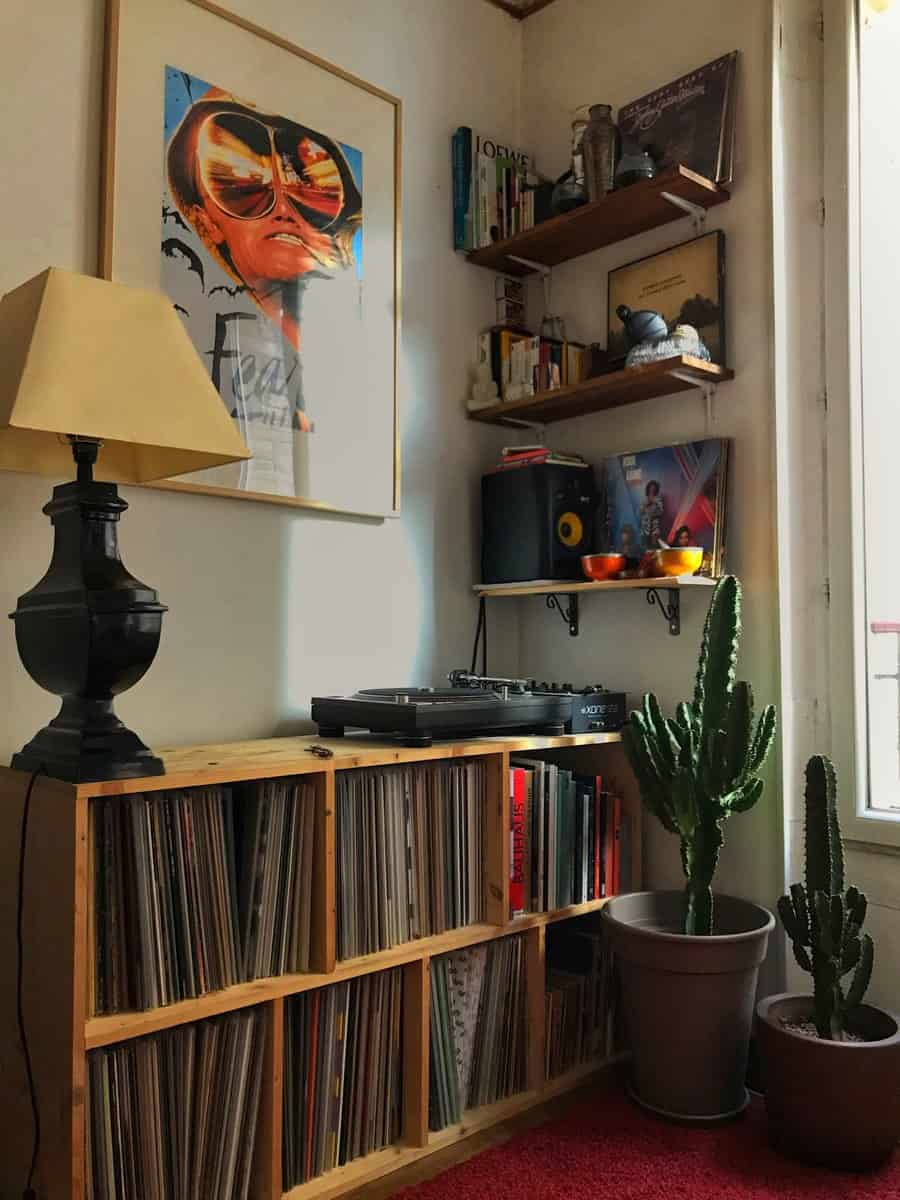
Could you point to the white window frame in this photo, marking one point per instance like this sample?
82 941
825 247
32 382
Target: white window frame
847 684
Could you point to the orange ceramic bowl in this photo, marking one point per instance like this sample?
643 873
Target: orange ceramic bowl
601 567
678 560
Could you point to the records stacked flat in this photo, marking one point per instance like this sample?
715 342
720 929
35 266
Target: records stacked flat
342 1073
410 853
196 890
478 1028
579 999
173 1116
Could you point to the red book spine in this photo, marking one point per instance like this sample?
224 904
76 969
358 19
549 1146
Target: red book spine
608 843
616 805
598 835
516 840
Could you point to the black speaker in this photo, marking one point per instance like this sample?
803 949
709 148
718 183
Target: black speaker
536 522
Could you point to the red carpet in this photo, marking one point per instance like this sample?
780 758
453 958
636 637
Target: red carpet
617 1152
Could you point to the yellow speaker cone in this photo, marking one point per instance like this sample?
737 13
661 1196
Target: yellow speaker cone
569 529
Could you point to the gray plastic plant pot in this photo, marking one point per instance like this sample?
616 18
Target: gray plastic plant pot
688 1001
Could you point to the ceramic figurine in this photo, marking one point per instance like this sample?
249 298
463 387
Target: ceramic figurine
686 340
484 389
644 325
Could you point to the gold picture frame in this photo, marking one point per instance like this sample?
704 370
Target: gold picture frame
353 424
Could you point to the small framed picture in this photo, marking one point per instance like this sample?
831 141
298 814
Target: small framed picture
685 284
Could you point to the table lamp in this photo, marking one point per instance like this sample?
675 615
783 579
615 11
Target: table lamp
90 368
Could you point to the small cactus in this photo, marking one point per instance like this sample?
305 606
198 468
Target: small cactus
696 770
823 921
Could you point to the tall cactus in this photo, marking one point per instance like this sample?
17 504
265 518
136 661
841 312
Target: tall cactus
823 921
698 769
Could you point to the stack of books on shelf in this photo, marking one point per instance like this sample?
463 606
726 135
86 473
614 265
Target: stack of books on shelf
477 1028
493 190
175 1114
342 1073
410 853
569 840
199 889
533 455
580 999
524 364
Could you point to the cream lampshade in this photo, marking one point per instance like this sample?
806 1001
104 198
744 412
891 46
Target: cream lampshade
84 357
92 368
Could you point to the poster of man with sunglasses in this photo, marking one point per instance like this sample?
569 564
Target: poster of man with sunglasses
262 256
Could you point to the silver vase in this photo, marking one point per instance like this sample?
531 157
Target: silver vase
599 144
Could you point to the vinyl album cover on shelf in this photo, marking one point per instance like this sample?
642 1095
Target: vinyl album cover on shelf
689 121
671 494
685 284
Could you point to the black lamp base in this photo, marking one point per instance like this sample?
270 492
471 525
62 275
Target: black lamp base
87 632
85 743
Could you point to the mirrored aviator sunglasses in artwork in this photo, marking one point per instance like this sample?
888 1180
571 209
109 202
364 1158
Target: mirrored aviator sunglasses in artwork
245 163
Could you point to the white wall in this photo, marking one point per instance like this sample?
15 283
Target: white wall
269 605
578 52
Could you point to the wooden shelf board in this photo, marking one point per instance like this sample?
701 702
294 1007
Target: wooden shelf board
578 1075
120 1027
233 762
546 587
617 216
615 390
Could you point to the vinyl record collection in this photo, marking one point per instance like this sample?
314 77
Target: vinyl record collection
477 1028
342 1073
196 890
173 1116
569 840
410 853
579 1001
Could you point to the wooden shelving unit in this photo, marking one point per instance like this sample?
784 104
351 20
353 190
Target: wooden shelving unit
681 373
636 209
58 957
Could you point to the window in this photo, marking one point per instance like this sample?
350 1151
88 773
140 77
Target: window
863 369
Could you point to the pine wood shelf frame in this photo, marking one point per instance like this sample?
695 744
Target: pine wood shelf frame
668 377
58 960
618 216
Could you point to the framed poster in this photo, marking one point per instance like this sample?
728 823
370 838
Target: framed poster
258 186
685 284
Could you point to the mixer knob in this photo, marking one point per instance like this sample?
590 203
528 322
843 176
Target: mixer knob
567 687
554 686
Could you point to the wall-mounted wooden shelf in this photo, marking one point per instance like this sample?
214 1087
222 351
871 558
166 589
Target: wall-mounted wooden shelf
553 589
547 587
663 378
645 205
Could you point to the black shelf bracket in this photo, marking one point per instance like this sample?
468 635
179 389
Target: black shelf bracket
671 611
569 614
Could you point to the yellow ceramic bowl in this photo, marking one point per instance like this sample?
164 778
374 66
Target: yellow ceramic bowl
679 560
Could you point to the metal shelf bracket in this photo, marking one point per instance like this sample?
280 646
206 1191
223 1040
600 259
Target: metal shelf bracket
569 614
696 212
541 268
671 612
706 386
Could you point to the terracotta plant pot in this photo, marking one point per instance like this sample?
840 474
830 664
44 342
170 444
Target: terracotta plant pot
832 1103
687 1001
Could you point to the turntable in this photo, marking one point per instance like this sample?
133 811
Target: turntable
474 705
417 715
